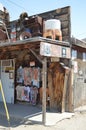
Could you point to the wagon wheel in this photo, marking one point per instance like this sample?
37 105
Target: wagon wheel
25 35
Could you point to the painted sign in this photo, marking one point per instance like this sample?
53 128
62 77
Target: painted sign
52 50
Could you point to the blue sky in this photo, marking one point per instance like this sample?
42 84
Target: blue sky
32 7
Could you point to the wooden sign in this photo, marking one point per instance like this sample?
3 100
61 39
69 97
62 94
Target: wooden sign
54 59
32 63
52 50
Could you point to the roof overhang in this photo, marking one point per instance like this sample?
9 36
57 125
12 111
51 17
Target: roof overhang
78 43
34 40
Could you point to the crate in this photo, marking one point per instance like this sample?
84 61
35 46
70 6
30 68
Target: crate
53 34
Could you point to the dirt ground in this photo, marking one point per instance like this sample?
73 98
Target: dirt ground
77 122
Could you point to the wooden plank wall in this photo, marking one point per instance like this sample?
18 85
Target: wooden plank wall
63 14
55 84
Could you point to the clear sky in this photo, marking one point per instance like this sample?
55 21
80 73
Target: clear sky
32 7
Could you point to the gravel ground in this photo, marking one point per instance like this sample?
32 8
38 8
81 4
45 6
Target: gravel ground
77 122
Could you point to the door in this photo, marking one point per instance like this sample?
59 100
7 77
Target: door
7 79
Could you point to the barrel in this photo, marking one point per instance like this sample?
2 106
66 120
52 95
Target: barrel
52 29
52 24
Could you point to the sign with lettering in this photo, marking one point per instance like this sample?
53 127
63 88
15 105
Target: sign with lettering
53 50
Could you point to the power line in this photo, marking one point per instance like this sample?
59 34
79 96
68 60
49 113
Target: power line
19 6
16 4
13 12
82 33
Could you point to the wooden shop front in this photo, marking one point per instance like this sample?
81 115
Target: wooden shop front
40 57
51 56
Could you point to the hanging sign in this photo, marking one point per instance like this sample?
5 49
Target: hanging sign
32 63
75 66
54 59
53 50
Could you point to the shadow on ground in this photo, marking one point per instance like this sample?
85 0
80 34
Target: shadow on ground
19 114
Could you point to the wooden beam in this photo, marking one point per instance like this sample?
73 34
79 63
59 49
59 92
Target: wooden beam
19 47
38 58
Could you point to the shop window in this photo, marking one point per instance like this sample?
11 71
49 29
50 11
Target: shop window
74 54
80 55
84 56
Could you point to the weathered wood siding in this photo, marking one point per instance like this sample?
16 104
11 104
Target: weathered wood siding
63 14
56 85
80 84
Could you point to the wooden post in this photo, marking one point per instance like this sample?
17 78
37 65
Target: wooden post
44 84
71 92
65 90
64 93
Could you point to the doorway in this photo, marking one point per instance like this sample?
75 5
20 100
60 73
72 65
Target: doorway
7 69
